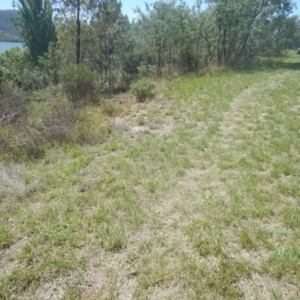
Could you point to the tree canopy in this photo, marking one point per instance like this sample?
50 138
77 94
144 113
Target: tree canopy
167 37
37 28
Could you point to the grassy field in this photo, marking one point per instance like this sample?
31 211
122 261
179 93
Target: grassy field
195 195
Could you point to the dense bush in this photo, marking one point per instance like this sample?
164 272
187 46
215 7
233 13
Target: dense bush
79 83
12 64
50 63
133 60
143 89
33 78
147 70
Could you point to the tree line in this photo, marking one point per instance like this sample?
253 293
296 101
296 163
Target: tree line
166 37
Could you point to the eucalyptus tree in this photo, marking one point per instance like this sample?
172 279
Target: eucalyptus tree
73 49
291 38
197 34
72 17
245 29
184 38
165 28
37 27
109 39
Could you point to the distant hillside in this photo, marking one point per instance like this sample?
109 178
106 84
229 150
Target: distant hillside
8 31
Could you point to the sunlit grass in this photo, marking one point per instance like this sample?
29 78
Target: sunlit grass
204 203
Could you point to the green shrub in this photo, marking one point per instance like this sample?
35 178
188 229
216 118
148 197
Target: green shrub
50 63
134 59
33 79
12 65
78 82
143 89
110 109
147 70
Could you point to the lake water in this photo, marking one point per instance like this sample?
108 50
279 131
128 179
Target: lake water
7 45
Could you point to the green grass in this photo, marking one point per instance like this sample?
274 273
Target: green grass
204 206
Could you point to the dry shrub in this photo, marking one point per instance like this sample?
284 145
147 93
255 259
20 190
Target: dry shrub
12 105
31 143
12 182
87 131
70 124
110 109
60 124
21 143
119 126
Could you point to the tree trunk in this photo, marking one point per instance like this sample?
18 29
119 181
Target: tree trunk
78 34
